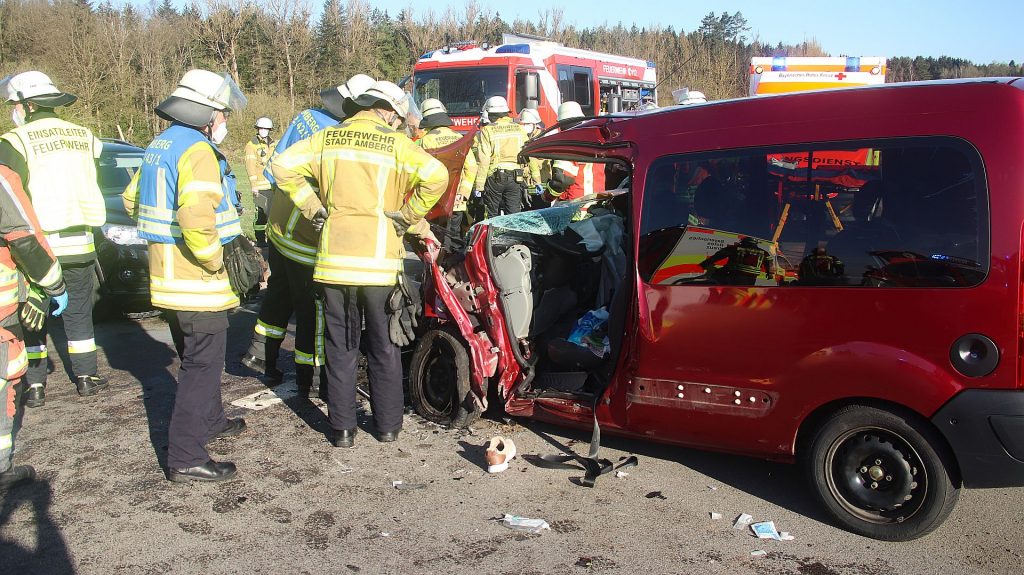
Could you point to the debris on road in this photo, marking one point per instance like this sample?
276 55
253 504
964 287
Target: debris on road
627 462
715 516
712 488
785 536
499 452
344 468
655 495
407 486
758 554
264 399
516 523
621 474
742 521
766 530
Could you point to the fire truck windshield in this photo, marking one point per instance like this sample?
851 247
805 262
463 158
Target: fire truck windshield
462 90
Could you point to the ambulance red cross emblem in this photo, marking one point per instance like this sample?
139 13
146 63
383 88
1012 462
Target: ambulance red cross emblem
840 76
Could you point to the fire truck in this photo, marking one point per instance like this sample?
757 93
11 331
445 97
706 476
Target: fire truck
530 72
775 75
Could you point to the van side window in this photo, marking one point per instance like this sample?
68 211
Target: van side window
893 213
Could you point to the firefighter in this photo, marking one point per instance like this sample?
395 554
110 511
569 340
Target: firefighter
573 180
291 256
56 161
364 170
499 177
434 127
539 170
257 155
23 251
183 197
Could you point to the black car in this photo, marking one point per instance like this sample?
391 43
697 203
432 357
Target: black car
123 270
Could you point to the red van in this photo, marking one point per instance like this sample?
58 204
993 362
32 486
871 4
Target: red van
831 278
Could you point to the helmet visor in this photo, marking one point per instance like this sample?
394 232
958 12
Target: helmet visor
230 95
5 90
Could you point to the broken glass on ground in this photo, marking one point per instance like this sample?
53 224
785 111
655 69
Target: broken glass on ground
525 524
742 521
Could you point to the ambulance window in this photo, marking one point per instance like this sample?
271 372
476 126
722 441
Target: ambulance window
888 213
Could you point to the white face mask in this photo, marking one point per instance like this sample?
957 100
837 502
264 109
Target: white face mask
263 133
17 118
219 133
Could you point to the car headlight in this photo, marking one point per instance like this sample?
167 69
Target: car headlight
122 235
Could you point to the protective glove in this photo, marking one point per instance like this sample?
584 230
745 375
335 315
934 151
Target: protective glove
478 193
538 190
403 307
398 220
33 311
62 304
319 219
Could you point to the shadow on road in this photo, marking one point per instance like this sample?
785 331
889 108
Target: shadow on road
51 554
778 483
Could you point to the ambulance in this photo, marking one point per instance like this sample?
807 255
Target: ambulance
530 72
781 74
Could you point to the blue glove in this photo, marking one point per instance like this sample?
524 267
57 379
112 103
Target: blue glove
538 189
62 303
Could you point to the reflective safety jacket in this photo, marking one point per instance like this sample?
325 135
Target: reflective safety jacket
24 251
257 156
466 180
573 180
181 197
438 138
292 234
498 145
363 168
60 161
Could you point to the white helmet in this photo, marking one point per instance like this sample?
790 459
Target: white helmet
217 91
529 116
265 123
387 92
34 86
199 95
432 106
570 110
355 86
496 105
334 98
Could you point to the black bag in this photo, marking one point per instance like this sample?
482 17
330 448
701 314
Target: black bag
242 262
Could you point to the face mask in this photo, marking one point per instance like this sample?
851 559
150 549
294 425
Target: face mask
263 133
219 133
17 118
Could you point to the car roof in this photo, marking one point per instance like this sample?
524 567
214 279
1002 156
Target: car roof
114 146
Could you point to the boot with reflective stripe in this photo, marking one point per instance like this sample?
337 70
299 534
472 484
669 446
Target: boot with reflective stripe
35 396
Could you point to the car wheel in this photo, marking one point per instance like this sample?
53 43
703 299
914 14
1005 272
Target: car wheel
882 475
439 379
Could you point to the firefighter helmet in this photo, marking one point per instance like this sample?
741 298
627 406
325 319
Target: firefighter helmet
199 96
265 123
434 114
529 116
569 110
496 105
35 87
390 94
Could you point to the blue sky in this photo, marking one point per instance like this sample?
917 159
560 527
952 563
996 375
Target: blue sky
982 31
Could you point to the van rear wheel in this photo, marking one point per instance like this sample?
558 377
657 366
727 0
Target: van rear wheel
882 475
439 379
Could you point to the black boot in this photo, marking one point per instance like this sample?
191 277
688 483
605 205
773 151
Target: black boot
16 476
304 379
90 384
35 396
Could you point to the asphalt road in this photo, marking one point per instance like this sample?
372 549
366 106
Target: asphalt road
298 505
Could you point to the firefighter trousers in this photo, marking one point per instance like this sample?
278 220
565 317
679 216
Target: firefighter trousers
198 413
503 194
309 317
275 311
345 309
77 321
12 367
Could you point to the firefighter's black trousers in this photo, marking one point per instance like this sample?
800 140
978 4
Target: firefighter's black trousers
503 194
77 321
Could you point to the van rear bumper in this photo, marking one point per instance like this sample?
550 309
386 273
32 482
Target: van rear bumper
985 428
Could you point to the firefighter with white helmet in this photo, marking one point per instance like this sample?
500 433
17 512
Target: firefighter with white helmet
539 170
435 126
257 156
182 196
291 255
369 183
573 180
55 160
499 177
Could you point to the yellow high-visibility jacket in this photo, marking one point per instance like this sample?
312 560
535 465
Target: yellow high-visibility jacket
438 138
188 274
362 168
257 155
466 180
498 145
60 159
